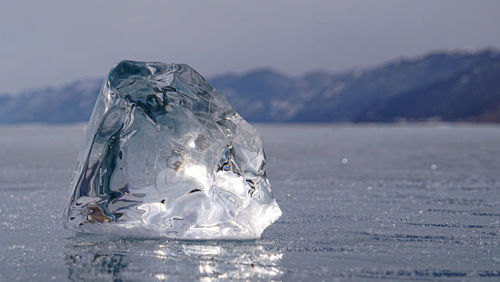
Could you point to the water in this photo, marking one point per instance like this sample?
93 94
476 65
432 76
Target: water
359 202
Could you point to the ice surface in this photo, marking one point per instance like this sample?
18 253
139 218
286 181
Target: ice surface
166 155
333 227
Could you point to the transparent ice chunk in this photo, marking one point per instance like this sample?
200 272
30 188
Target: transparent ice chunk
165 155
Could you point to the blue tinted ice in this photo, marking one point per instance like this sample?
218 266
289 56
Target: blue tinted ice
166 155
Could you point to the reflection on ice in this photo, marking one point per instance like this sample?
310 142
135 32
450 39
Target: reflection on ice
253 263
153 260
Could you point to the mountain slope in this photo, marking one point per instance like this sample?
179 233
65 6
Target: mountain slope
463 96
71 103
360 91
253 94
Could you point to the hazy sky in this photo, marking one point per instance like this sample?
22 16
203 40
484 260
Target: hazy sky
53 42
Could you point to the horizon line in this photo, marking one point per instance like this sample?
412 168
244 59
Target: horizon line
395 60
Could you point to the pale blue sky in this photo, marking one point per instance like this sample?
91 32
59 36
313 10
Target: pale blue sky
54 42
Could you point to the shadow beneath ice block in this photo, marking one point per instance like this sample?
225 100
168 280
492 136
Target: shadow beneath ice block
92 258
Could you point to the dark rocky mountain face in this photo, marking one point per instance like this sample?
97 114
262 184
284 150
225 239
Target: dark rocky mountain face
470 94
382 94
447 86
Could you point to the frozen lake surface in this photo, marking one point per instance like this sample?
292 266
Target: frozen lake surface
359 202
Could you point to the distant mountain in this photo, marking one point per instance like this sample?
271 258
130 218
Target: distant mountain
469 94
457 86
70 103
